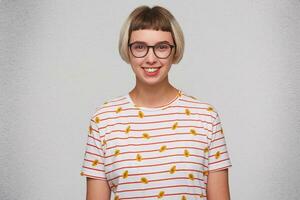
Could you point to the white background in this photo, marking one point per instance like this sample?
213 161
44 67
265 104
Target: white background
59 60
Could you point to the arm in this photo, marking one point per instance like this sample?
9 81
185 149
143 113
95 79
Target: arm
97 189
217 185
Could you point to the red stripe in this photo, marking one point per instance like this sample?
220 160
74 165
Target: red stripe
99 148
162 172
155 180
153 188
226 167
212 163
99 170
94 138
155 143
161 164
90 161
217 146
154 115
154 129
155 196
116 105
94 129
127 152
158 122
217 139
93 154
151 158
216 124
96 177
153 136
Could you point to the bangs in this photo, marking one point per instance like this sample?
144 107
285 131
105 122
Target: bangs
150 19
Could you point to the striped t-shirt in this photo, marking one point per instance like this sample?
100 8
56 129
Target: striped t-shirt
164 152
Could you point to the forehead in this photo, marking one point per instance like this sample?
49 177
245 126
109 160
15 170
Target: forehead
151 36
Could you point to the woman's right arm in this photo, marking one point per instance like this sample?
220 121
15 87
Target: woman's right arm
97 189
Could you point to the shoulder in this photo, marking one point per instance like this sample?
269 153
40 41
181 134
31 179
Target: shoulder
199 104
105 109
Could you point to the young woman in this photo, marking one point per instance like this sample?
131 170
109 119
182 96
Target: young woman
156 141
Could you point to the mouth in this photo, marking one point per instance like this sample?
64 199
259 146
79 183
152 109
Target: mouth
151 71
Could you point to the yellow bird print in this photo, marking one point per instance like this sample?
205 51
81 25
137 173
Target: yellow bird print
205 149
201 195
138 157
175 125
209 109
205 173
119 109
193 131
81 173
183 198
222 130
141 114
104 142
125 174
105 102
186 153
191 176
217 155
127 129
144 180
95 162
117 152
146 135
116 197
161 194
162 148
97 120
187 111
179 94
173 169
90 129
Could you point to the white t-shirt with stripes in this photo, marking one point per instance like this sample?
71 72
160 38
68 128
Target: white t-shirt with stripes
155 153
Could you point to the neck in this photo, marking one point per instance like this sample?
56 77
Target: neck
146 95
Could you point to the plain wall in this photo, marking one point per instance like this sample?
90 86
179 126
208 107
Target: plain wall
59 60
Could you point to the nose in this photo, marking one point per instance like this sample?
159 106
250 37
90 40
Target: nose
151 58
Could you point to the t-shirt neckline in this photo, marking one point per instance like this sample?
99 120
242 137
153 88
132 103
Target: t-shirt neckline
158 108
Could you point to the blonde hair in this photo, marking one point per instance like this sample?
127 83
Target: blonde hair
156 18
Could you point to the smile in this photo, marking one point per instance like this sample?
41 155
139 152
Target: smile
151 71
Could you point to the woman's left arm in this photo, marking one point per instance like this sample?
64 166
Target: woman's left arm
217 185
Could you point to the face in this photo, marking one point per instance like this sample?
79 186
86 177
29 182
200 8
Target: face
140 65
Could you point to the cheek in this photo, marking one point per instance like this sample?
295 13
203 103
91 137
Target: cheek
135 62
167 62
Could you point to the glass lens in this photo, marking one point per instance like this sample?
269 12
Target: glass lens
162 50
139 49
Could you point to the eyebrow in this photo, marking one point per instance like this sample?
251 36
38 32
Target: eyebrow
164 41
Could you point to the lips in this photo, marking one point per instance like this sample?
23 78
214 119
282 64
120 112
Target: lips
151 67
151 71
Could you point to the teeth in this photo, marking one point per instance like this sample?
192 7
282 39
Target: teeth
151 69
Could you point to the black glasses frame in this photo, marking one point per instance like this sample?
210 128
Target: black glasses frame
153 47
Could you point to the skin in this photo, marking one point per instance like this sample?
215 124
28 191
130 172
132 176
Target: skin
218 186
153 92
97 189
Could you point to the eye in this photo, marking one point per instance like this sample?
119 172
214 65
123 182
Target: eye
162 46
139 46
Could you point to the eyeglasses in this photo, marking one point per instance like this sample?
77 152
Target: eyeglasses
161 50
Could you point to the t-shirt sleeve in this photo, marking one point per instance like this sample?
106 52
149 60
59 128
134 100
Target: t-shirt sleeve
218 156
93 161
